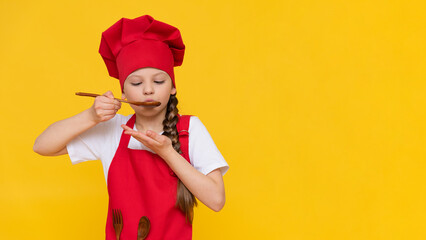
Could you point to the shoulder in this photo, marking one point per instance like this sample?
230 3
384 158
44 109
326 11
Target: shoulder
197 129
184 122
190 118
195 123
190 121
203 152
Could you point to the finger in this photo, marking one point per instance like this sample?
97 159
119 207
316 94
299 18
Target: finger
149 139
125 127
140 136
109 94
137 136
153 135
109 116
108 112
103 111
107 100
117 104
106 107
132 132
103 100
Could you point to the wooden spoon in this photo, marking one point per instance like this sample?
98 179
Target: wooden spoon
121 100
143 228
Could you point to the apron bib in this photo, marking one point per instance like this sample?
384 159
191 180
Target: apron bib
140 183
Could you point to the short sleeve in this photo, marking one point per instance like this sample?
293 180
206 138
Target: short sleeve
93 143
204 155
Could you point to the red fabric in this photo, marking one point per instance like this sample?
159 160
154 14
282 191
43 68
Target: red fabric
130 44
140 183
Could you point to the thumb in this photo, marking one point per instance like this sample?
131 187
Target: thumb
109 94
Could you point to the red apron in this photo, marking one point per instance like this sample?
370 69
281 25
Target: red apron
140 183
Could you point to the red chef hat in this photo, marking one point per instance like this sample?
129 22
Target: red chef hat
131 44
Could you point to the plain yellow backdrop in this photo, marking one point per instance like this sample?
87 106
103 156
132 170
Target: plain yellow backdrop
317 106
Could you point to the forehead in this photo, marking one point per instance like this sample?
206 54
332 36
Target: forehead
147 72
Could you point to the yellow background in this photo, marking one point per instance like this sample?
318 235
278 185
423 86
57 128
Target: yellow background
317 106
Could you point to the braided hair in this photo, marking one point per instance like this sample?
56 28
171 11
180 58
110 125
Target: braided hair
185 200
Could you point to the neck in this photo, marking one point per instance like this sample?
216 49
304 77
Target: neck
153 123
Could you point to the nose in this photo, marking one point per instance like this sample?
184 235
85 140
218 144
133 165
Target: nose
148 89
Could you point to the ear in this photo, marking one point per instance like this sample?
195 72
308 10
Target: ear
173 91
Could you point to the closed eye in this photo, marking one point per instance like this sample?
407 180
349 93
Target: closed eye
139 83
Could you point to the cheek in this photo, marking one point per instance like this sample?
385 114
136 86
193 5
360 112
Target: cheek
131 94
165 95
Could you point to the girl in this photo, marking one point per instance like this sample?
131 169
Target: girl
155 161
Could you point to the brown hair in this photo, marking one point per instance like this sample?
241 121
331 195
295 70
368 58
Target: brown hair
184 198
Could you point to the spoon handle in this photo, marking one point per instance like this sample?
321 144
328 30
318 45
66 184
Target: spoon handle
87 94
120 100
96 95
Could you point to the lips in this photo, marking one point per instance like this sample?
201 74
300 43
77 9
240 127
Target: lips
149 100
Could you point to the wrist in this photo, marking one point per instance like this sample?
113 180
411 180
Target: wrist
92 116
168 154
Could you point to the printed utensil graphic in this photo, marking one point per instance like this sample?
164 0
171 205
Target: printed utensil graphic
117 221
121 100
143 228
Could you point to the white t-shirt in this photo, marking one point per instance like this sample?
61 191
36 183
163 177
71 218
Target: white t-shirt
101 142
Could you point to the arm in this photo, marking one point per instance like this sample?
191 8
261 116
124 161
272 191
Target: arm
209 189
53 140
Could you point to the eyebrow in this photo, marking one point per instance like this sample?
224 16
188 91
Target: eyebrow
159 73
155 74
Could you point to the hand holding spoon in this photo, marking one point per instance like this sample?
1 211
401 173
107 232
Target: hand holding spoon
121 100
